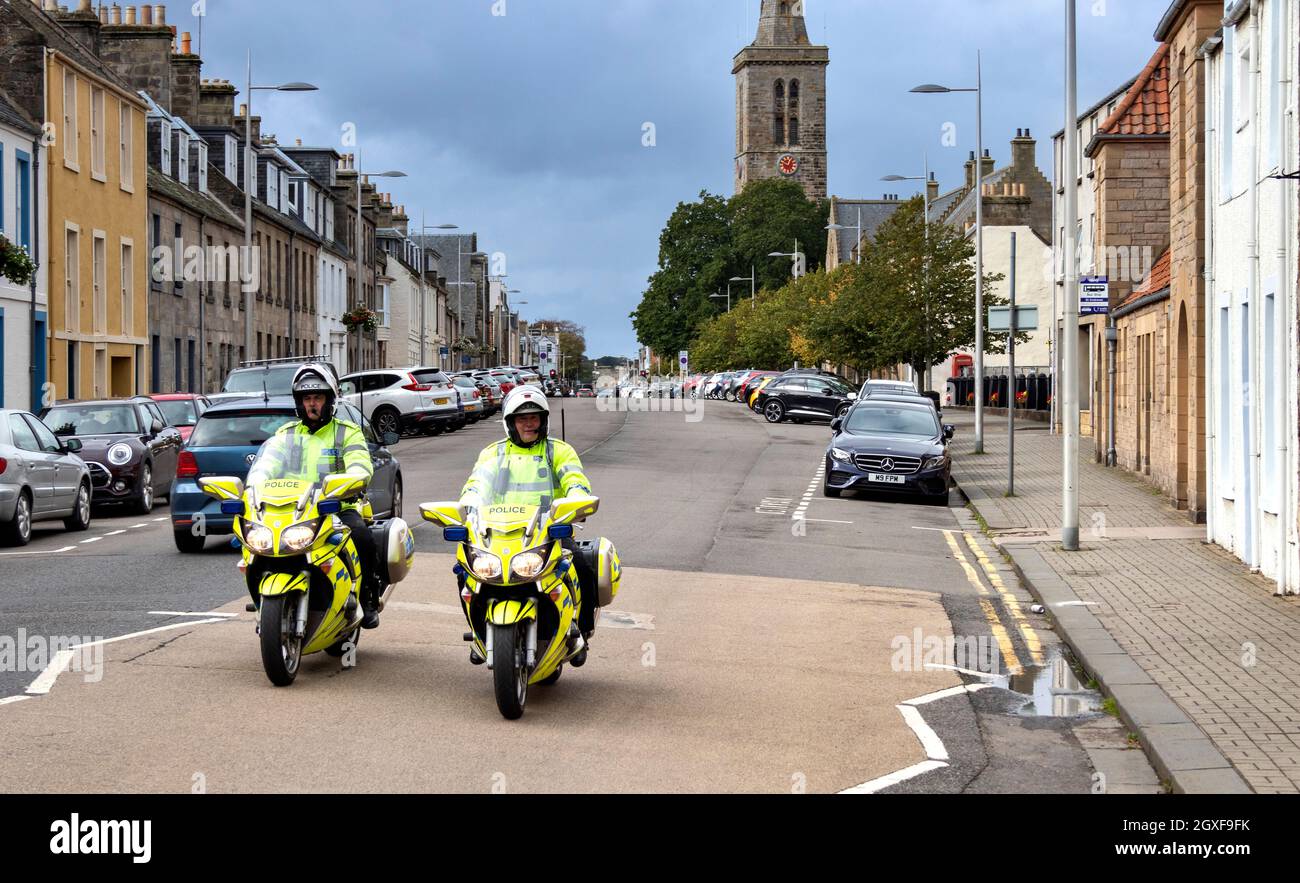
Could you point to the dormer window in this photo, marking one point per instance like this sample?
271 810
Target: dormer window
232 159
272 185
183 157
203 167
165 133
286 201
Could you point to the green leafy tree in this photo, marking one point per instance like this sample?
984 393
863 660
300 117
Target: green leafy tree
769 215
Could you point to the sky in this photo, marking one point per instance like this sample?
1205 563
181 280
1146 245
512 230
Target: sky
525 120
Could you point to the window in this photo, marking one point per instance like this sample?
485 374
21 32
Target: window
1245 88
778 112
165 134
2 188
177 379
203 167
127 314
72 280
1272 439
72 369
232 159
793 139
125 146
1225 113
99 280
286 205
183 157
178 256
1277 109
24 438
23 183
69 133
272 186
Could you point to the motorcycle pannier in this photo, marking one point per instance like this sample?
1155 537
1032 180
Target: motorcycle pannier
608 573
394 550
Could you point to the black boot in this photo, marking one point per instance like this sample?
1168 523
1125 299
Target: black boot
370 604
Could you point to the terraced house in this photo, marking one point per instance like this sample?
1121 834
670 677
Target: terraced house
96 181
23 309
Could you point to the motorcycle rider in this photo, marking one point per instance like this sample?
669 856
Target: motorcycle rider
341 448
530 469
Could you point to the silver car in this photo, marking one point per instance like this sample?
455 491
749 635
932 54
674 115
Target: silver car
41 478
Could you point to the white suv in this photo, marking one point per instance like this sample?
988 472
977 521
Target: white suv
393 400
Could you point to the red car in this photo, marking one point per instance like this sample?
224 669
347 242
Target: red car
182 410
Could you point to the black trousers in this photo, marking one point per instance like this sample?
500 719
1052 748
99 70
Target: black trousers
365 544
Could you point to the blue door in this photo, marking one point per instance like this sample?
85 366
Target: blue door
2 357
38 378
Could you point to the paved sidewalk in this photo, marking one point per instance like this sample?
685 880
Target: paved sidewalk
1201 657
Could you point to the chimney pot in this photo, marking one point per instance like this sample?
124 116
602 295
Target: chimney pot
103 15
84 6
185 43
146 14
243 110
159 14
115 15
130 16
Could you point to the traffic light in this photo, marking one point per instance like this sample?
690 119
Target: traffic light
645 373
552 373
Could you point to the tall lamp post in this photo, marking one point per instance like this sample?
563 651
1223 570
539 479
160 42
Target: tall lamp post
858 227
1070 323
751 279
424 266
361 243
727 296
930 88
250 179
925 219
795 255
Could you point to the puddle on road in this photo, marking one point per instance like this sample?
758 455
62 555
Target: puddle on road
1051 690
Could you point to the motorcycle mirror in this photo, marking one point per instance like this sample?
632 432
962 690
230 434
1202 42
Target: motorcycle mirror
223 487
443 514
340 486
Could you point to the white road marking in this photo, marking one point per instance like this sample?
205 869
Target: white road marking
826 521
91 540
115 533
7 700
894 778
939 529
45 680
164 518
930 741
179 613
951 691
134 526
43 552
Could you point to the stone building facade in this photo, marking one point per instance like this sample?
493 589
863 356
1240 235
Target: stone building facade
781 102
1130 159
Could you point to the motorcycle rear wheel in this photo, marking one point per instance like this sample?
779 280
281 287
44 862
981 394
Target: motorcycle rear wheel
509 674
281 651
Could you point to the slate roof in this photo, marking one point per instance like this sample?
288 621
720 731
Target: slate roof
944 201
199 203
965 206
1100 104
874 213
13 116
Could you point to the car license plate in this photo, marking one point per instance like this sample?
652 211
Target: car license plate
887 479
440 401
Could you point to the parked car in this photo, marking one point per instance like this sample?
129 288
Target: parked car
41 478
226 441
891 396
505 378
470 398
400 400
272 377
182 410
586 392
898 447
489 399
871 387
801 397
749 383
130 449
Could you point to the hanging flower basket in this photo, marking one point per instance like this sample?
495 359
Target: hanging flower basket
361 317
1022 398
15 264
970 398
467 346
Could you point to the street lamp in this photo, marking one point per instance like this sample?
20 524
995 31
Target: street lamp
361 244
926 270
424 266
1069 334
250 161
858 226
727 296
750 279
931 88
796 255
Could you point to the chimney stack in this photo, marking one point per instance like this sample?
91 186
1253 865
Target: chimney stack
970 170
1023 150
932 188
986 164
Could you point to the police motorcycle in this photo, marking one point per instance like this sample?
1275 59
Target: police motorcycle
519 590
299 560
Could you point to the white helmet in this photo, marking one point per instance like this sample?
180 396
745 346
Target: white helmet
522 400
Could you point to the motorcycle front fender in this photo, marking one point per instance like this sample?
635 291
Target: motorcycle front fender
511 612
274 584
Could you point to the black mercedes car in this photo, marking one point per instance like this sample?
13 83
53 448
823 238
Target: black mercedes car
130 449
896 446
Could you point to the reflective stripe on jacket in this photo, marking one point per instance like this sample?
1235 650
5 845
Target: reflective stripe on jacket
506 473
341 448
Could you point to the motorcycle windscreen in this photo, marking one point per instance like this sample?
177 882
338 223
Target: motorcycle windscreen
289 464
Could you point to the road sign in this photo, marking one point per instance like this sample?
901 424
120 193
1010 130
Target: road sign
1094 295
444 351
684 358
1026 318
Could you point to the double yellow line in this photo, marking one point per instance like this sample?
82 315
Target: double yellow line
1000 633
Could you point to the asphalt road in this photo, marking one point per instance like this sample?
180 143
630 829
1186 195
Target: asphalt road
766 639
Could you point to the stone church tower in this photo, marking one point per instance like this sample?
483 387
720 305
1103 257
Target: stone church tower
781 102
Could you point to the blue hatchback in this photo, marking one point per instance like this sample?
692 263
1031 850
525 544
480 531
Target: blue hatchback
225 441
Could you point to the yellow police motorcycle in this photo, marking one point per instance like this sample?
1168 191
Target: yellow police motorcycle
299 560
520 592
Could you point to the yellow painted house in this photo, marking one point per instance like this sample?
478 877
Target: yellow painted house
98 246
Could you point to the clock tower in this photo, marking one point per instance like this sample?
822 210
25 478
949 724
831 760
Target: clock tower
781 102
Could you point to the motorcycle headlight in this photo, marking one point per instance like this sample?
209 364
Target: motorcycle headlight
841 454
527 565
119 454
298 537
485 565
935 462
259 539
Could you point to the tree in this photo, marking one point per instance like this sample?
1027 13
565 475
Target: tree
769 215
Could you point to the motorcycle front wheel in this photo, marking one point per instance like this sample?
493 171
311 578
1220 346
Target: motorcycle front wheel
509 673
281 651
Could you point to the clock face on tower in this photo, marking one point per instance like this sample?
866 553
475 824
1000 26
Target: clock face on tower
787 165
